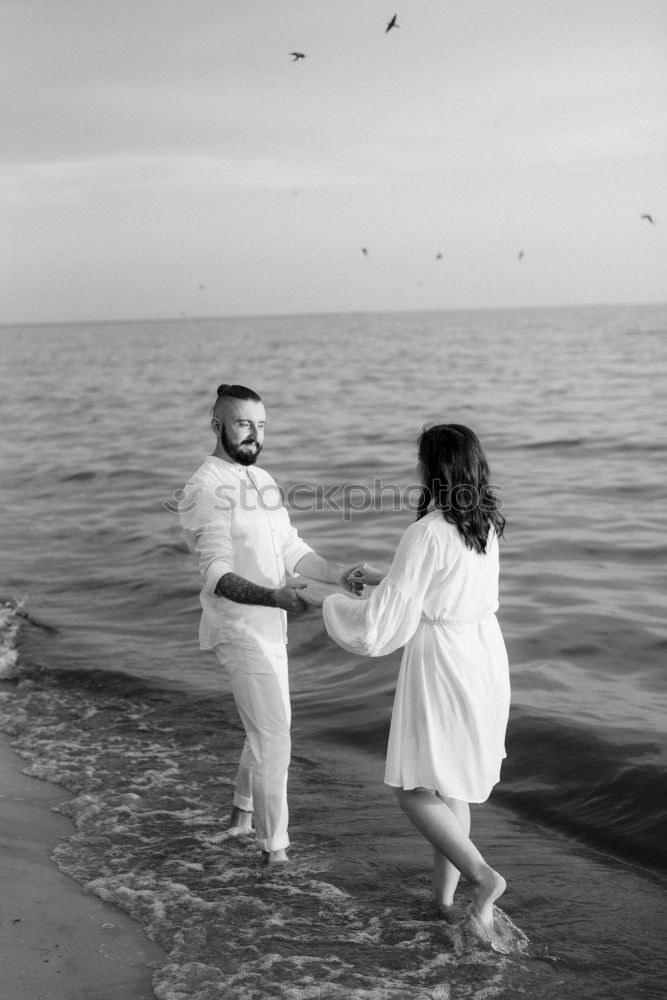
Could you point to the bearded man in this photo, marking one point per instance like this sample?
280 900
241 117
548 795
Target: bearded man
236 525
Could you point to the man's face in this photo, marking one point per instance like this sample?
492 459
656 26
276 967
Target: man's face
241 424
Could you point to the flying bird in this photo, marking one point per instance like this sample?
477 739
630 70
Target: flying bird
647 216
297 56
521 254
364 251
438 256
392 24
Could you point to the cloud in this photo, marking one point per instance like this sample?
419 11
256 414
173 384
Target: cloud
66 181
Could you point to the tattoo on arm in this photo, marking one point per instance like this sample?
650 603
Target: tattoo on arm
237 588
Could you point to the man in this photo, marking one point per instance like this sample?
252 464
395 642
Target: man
235 524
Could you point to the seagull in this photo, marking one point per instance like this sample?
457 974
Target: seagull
297 56
392 24
647 216
364 251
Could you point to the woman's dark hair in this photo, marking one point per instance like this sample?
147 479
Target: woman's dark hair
226 391
456 481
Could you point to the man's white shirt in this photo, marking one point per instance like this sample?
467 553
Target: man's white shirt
234 521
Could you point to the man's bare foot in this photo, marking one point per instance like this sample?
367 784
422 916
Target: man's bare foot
240 822
489 888
275 857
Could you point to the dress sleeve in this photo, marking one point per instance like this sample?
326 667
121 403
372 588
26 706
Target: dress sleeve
389 618
206 519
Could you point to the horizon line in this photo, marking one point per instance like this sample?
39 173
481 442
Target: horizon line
320 313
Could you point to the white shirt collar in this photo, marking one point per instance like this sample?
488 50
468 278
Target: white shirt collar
240 470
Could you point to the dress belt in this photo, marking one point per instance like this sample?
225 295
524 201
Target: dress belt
456 621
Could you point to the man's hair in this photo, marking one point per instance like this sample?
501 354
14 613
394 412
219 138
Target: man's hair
226 391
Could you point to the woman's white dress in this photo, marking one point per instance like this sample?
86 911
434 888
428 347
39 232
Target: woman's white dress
452 697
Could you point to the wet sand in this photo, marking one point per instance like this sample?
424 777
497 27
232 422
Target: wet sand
57 942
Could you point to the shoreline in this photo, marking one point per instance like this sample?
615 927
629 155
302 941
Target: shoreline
64 944
58 942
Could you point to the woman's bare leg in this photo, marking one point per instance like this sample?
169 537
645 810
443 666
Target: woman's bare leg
436 821
445 874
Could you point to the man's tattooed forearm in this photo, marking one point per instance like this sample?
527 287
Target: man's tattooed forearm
237 588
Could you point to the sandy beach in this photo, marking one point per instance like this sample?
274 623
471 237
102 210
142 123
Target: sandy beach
58 943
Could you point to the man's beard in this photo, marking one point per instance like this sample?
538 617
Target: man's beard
241 453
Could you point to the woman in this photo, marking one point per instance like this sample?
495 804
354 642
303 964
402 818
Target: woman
439 600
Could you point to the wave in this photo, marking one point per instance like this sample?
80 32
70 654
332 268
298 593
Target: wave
612 795
9 627
84 476
598 445
553 443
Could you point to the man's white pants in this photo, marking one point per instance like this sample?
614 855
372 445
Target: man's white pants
260 685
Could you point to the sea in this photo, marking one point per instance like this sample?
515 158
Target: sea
105 692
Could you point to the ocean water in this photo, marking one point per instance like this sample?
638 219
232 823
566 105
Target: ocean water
105 692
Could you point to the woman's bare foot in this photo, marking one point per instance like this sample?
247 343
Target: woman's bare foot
444 902
488 889
440 911
275 857
240 822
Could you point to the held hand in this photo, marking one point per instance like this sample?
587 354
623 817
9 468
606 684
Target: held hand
350 582
288 599
363 575
312 597
352 586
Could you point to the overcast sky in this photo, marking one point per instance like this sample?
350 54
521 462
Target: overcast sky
162 158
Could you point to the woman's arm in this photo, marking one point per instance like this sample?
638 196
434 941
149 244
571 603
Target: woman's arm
390 617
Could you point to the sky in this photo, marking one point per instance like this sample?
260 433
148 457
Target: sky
168 158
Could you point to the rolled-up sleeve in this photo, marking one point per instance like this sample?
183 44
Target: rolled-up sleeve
206 522
292 546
